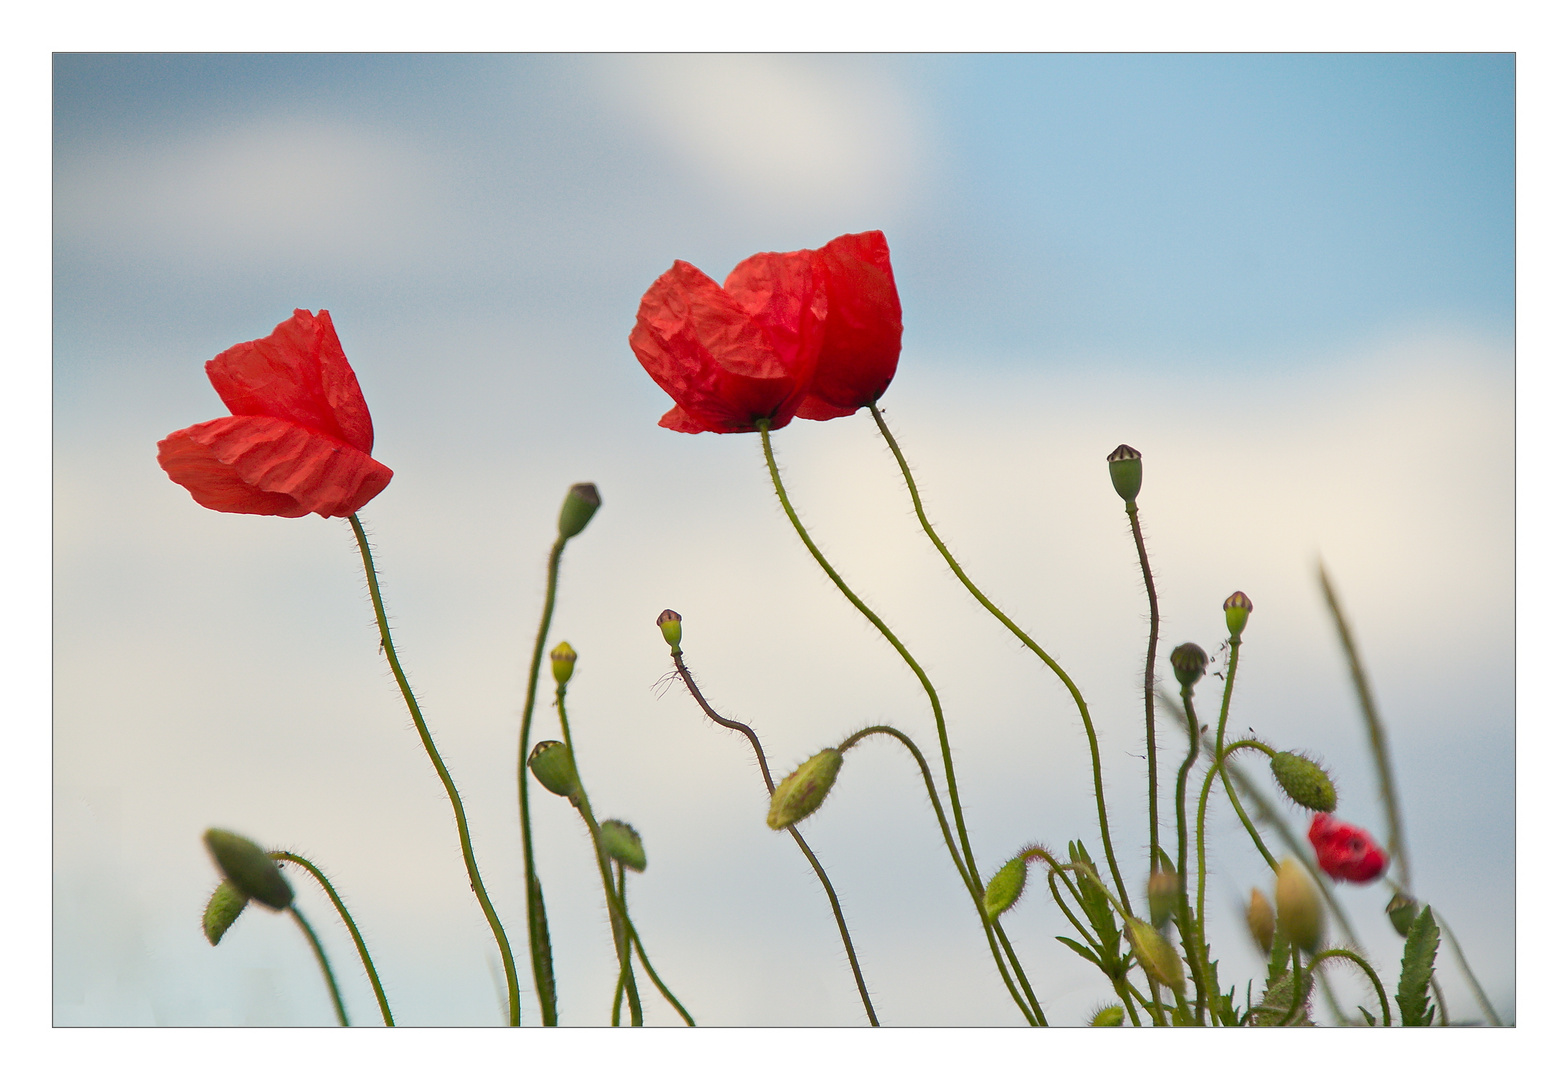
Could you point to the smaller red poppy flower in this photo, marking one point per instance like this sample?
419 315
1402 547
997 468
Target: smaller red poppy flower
865 327
300 437
1346 852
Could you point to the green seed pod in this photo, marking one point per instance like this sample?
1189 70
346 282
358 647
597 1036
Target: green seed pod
563 661
802 791
622 844
1260 920
1126 471
1163 892
1237 608
1158 957
1004 889
248 867
1109 1016
582 501
1189 662
552 765
1304 782
225 906
670 626
1300 917
1402 911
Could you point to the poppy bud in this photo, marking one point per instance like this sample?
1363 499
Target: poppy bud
1402 911
1300 910
552 765
1164 889
1004 889
1346 852
1110 1016
1158 957
1304 781
1126 471
1237 608
248 867
1260 920
1189 661
670 626
563 660
582 500
802 791
225 906
622 844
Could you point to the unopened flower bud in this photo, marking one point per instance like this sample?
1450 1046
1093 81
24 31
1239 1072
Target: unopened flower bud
670 626
1004 889
1237 608
582 500
1164 891
802 791
1189 662
1109 1016
1300 912
1260 920
1402 911
225 906
622 844
552 765
1304 781
1126 471
245 864
1158 957
563 661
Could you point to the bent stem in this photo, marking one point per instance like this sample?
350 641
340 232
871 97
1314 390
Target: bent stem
326 968
1377 984
1148 687
642 955
1203 810
348 921
474 880
1219 751
1196 947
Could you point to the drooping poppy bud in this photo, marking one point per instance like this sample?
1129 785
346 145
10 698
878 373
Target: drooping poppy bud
1346 852
1164 891
1158 957
864 329
1303 781
551 763
1005 887
245 864
802 791
1402 911
1237 608
582 502
1300 917
670 626
622 844
1108 1016
563 661
1260 921
1189 662
222 909
1126 471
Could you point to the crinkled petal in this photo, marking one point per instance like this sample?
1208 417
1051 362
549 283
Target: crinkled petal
784 295
865 325
297 373
815 408
263 465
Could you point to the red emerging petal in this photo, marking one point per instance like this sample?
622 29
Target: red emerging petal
263 465
1346 852
865 326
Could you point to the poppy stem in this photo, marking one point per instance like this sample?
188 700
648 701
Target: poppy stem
474 880
1220 751
326 968
1148 685
1038 1015
1197 948
348 921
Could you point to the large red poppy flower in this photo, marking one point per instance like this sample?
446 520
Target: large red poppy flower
1346 852
299 440
865 327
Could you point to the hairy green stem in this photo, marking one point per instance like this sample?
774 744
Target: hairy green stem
1148 687
326 968
1219 751
348 921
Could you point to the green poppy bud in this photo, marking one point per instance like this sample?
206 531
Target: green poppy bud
1158 957
622 844
802 791
582 500
1260 920
563 660
1300 917
1004 889
1126 471
1237 608
1164 891
670 626
225 906
248 867
1402 911
1109 1016
1189 662
552 765
1304 782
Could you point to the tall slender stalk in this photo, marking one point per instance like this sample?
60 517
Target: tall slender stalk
1148 686
326 968
348 921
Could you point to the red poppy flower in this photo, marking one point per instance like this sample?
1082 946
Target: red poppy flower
865 327
299 440
1346 852
734 355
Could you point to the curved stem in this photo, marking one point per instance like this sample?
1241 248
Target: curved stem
1377 984
646 965
1219 751
348 921
1203 809
326 968
1148 687
474 879
1196 947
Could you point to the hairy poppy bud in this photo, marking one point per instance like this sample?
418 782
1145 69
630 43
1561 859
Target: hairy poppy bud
1189 662
552 765
582 500
225 906
1304 781
1260 920
802 791
622 844
1004 889
1126 471
1158 957
1300 911
1164 890
563 661
1346 852
1237 608
1402 911
248 867
1109 1016
670 626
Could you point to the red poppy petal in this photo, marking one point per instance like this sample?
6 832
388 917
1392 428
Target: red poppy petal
678 419
814 408
785 295
263 465
297 373
865 327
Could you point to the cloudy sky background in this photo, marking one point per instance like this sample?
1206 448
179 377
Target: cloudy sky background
1288 280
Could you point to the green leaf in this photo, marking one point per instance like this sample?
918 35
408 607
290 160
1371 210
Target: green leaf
1415 975
1371 1020
1095 904
1279 959
1083 951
